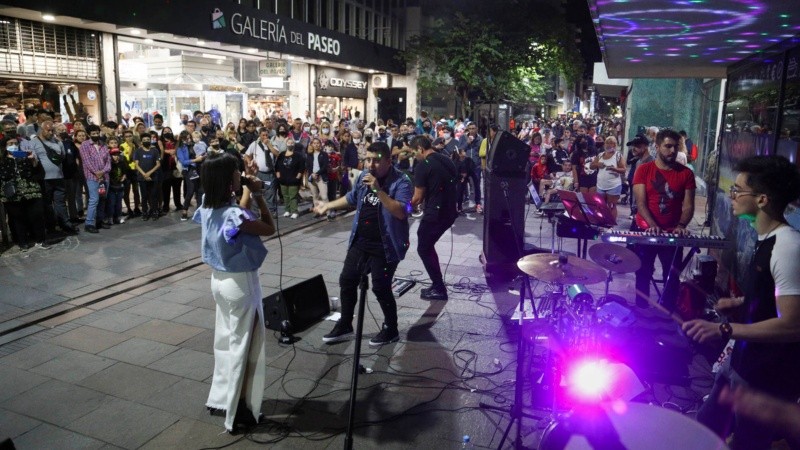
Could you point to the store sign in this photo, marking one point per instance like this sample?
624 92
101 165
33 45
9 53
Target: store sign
274 69
341 83
234 24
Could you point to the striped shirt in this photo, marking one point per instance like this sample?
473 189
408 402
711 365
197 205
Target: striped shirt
94 159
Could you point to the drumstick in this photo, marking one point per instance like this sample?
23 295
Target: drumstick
672 316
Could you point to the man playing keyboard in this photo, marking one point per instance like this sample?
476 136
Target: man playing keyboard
664 193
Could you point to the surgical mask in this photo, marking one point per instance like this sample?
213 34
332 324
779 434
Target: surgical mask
306 129
446 135
356 141
12 148
314 132
326 130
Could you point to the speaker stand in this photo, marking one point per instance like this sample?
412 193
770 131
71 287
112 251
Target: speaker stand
362 301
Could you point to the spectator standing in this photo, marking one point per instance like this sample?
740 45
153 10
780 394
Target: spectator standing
23 203
148 160
290 167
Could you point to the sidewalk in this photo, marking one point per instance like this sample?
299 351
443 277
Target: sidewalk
130 365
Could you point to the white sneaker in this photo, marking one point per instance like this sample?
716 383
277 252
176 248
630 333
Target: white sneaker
417 214
286 214
294 216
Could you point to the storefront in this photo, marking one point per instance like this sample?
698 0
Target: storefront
60 73
340 94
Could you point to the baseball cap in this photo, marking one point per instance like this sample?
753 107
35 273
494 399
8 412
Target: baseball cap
114 151
638 140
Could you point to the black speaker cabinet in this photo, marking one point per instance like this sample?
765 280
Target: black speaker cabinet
507 156
503 223
302 304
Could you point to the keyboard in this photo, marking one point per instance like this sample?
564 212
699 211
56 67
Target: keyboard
664 239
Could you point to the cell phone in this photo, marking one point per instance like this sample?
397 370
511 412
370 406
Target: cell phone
19 154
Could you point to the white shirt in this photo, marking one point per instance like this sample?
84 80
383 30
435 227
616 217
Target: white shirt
255 152
607 179
784 264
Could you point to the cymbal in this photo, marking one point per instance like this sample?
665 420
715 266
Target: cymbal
615 258
547 267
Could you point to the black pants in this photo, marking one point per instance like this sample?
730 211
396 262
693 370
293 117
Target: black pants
669 264
149 197
428 233
26 220
131 182
55 204
356 262
191 188
461 189
173 184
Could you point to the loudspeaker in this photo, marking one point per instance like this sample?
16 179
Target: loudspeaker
507 156
302 304
503 222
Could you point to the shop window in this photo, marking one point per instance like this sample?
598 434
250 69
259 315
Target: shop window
348 19
313 13
284 8
336 14
299 10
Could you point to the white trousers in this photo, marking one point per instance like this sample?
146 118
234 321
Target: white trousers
239 346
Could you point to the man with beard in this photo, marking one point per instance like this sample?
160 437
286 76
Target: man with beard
664 192
638 155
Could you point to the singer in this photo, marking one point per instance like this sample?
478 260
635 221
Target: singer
435 177
378 240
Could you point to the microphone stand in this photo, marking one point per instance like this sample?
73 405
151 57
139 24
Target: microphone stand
362 300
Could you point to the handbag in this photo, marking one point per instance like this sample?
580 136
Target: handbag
9 189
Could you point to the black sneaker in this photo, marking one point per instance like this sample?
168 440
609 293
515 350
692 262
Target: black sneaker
340 332
145 217
433 294
385 336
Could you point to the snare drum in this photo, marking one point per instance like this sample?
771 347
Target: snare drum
633 425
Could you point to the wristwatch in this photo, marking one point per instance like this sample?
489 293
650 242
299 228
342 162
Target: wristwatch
725 329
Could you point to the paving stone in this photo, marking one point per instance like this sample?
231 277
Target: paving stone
166 332
73 366
188 433
160 310
56 402
15 381
88 339
203 342
129 382
186 363
123 423
34 355
66 317
186 398
13 424
139 351
19 334
48 436
198 317
119 321
181 295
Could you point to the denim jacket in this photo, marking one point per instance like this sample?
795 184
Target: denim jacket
394 231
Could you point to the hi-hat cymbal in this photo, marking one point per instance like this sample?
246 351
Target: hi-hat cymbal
551 268
615 258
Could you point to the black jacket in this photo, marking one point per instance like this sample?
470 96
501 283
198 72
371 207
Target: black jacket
323 165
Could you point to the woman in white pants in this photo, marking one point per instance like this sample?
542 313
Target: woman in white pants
232 246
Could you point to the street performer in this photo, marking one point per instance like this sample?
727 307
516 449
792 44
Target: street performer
766 352
664 192
378 240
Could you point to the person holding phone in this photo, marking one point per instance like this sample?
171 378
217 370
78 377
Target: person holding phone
21 194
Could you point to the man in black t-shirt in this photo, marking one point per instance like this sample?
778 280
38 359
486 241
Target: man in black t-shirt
435 182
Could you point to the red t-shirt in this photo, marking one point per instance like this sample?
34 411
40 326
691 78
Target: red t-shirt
665 190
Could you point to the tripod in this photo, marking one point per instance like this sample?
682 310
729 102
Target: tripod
516 411
363 285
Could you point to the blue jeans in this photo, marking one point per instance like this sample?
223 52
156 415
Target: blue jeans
94 199
114 203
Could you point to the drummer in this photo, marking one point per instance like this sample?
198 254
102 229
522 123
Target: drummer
664 192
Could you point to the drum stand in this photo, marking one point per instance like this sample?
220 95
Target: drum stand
610 297
363 286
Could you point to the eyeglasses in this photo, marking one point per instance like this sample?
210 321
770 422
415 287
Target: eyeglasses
735 192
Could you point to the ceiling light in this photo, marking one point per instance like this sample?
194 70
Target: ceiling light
136 32
371 71
148 41
201 42
323 63
289 57
252 50
48 17
349 67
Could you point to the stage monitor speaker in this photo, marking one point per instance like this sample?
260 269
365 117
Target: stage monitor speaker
302 304
507 156
503 223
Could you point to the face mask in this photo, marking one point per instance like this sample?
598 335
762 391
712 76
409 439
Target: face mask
356 141
62 135
426 128
610 149
446 135
94 138
145 143
282 132
215 146
168 135
326 130
314 132
306 129
12 148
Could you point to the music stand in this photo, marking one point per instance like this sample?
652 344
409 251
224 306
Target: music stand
599 212
550 209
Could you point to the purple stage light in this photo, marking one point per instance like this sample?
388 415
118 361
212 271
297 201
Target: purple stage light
590 379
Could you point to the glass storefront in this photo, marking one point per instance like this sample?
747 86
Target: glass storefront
73 101
335 108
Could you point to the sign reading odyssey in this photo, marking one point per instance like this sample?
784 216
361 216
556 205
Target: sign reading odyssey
231 23
340 83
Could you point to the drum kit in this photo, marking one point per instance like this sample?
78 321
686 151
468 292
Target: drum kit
572 322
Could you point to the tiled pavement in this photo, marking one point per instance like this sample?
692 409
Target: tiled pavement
128 365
